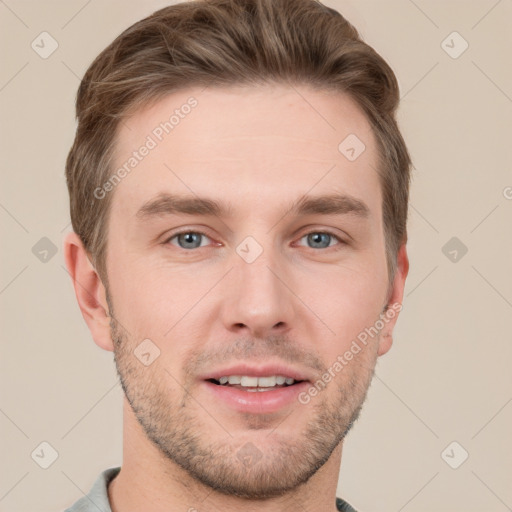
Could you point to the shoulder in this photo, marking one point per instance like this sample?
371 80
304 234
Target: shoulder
343 506
97 498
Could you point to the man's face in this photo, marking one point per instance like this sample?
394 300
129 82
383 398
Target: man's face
254 289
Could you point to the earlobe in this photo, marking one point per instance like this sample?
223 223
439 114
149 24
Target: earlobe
390 316
89 290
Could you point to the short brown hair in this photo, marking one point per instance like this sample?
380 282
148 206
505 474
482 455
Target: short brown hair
224 43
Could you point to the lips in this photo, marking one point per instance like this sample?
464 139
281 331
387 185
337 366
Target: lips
252 371
253 400
255 389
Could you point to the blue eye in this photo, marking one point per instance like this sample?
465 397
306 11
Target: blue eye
188 239
320 239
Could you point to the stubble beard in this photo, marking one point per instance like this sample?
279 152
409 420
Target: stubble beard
252 466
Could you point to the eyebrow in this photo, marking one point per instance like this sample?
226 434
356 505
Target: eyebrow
330 204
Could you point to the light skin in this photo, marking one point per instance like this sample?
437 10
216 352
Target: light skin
302 301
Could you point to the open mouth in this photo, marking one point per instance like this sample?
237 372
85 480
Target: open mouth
248 383
256 390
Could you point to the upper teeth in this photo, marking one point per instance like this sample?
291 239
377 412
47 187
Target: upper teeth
263 382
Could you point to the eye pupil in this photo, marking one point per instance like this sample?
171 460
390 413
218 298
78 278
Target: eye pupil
190 238
319 238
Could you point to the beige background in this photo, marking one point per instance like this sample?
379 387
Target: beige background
448 376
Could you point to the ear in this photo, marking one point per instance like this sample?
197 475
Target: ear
89 290
394 302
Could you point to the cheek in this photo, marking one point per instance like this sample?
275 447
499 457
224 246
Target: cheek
139 298
351 303
158 302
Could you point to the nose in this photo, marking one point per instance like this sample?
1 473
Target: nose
259 300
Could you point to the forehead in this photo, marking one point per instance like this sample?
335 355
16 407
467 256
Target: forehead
254 147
